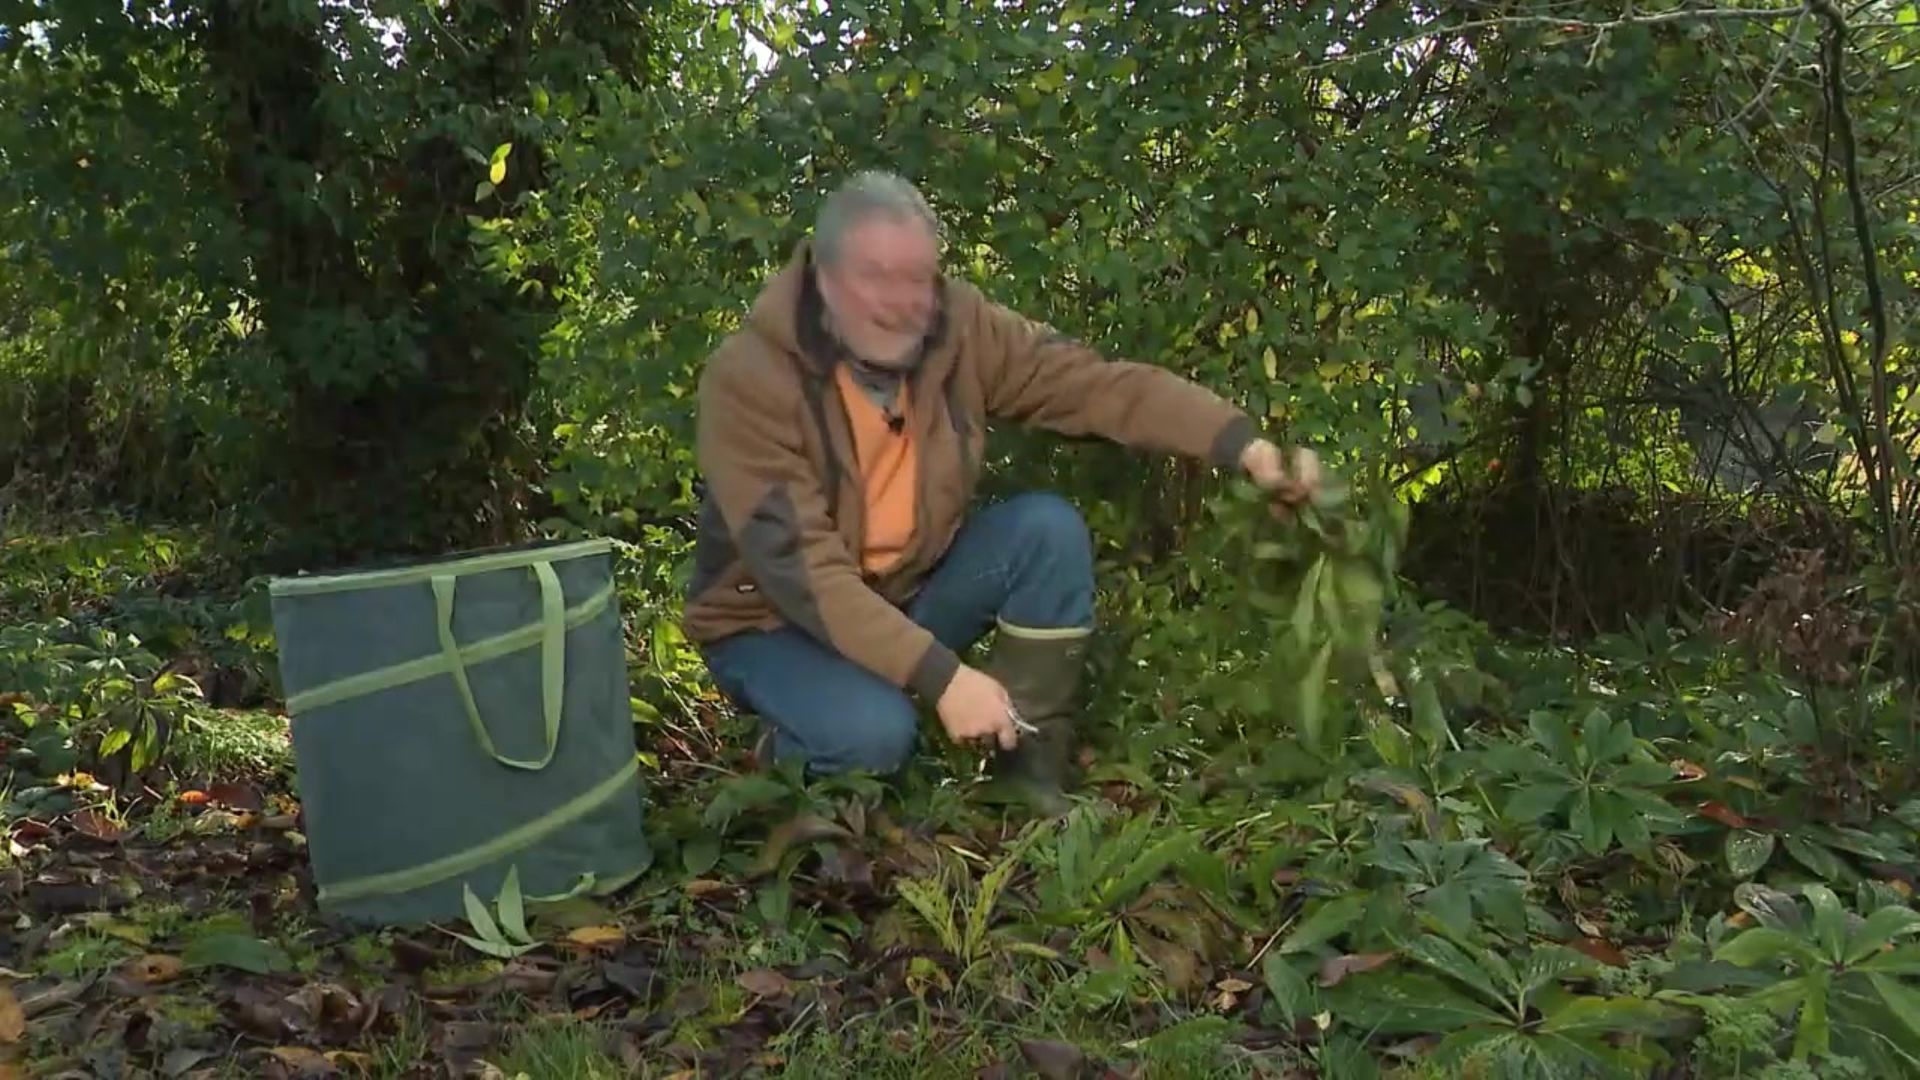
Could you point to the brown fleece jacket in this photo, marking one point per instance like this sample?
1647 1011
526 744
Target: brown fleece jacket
781 531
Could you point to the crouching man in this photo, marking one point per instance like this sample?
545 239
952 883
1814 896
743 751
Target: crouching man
839 573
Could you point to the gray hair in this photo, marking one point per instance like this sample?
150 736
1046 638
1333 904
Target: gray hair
865 195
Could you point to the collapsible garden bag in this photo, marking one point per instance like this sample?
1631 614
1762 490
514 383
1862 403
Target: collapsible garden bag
459 719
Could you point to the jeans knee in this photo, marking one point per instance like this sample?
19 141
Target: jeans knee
1055 525
880 739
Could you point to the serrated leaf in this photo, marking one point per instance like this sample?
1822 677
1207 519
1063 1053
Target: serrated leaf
1414 1004
1443 955
1553 734
1535 801
1327 921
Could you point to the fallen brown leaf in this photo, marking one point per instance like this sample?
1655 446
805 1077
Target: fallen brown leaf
765 982
1602 950
154 969
13 1019
97 826
303 1063
1725 815
1052 1059
1335 970
237 796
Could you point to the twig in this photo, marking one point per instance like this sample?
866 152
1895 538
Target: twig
1599 27
1780 65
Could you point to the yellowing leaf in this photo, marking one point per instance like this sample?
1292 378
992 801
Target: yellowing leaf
597 937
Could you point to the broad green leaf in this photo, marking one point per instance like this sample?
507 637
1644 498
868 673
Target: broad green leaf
1816 858
238 951
1814 1034
1604 738
1880 929
1328 921
1641 774
1555 735
1413 1003
1452 904
1829 921
115 741
700 854
1747 851
1289 988
1535 801
1443 955
1596 1015
1901 999
1766 945
1903 960
1594 833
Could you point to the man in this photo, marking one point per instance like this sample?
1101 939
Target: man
840 434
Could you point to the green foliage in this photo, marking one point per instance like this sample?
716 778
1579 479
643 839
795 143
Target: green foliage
1614 301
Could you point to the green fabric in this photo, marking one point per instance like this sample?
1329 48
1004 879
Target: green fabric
455 719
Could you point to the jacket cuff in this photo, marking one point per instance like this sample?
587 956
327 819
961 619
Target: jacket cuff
934 671
1232 441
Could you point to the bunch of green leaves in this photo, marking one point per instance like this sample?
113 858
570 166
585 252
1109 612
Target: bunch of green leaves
1518 1017
1317 581
1846 979
1600 782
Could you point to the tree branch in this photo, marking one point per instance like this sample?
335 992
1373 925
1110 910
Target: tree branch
1600 27
1870 266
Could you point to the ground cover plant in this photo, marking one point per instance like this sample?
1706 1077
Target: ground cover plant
1571 735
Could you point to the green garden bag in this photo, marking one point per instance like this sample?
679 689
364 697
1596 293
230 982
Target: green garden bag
456 720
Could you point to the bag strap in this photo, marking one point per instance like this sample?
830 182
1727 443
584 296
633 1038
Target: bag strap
553 661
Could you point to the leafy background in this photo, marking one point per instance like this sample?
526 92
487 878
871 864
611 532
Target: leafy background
1593 731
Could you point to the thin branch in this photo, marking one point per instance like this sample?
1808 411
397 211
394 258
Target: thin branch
1780 65
1571 24
1870 265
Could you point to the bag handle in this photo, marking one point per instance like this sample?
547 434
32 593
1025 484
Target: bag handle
553 666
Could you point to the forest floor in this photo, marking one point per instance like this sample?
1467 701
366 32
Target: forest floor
1617 864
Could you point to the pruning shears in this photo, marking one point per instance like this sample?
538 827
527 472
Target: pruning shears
1020 722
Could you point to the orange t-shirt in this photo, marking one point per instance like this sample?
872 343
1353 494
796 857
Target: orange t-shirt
889 465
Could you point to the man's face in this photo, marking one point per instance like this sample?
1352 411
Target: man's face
881 290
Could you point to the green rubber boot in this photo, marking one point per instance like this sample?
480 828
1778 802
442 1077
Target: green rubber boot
1041 670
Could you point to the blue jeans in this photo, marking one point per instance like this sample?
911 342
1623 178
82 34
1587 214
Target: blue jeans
1027 560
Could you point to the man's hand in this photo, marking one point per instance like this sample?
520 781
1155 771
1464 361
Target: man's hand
975 708
1291 478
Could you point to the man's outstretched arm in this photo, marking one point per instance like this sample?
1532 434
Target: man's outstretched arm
1036 376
